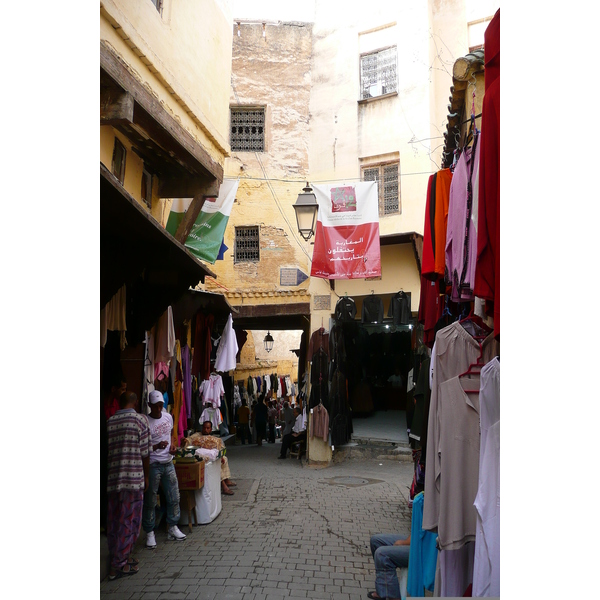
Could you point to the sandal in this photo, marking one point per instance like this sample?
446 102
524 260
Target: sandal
123 573
228 492
374 597
134 562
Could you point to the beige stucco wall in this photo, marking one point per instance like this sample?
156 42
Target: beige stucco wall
134 167
398 272
409 126
183 57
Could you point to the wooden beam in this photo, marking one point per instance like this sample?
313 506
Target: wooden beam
116 68
116 106
185 227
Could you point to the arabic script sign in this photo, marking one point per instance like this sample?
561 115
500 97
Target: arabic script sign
347 236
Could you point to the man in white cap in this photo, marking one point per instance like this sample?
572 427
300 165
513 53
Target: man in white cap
162 472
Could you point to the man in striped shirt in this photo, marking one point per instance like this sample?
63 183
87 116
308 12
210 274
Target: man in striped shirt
129 446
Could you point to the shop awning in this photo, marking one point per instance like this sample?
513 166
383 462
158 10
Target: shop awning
137 251
209 302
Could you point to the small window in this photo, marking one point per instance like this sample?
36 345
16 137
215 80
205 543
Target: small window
247 129
158 4
247 247
389 192
118 161
378 73
147 187
476 32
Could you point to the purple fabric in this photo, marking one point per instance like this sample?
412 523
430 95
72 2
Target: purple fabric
186 367
461 235
123 524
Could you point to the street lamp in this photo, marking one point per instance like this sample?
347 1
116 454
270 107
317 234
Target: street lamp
306 208
268 341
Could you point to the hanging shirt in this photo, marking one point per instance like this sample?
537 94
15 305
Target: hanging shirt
186 367
213 415
165 337
486 570
228 348
428 259
399 309
212 389
318 339
487 273
461 242
320 423
345 309
372 309
423 553
458 452
455 350
442 198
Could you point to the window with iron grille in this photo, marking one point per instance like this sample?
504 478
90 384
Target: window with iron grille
247 246
389 191
247 129
378 73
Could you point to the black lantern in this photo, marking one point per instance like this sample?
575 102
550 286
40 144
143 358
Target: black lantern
306 208
268 341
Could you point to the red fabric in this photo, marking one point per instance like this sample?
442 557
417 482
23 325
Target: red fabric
487 273
346 251
111 406
428 259
431 307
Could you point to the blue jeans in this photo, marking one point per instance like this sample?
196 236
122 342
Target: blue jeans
387 559
164 475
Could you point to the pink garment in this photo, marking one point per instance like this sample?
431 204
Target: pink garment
461 235
161 367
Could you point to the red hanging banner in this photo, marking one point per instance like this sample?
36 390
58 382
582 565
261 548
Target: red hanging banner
347 235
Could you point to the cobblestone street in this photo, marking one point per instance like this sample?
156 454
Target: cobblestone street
290 531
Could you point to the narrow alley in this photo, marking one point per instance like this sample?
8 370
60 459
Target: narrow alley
289 531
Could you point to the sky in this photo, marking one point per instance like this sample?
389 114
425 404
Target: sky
304 10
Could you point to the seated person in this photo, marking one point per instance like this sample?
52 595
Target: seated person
297 433
210 442
390 552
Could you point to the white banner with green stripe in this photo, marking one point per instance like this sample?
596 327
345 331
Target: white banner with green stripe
206 235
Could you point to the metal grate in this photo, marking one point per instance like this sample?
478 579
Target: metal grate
389 192
390 189
247 247
247 130
378 73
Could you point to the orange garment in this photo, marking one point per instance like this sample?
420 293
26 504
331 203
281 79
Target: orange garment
442 201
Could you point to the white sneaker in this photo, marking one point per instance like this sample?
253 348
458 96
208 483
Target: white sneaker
150 540
175 534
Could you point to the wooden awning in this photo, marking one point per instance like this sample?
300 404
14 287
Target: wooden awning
183 166
135 250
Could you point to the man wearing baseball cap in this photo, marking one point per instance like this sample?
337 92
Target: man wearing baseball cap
162 472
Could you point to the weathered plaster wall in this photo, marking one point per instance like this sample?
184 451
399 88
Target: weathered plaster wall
273 72
183 56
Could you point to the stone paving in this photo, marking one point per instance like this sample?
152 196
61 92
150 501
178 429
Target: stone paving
299 532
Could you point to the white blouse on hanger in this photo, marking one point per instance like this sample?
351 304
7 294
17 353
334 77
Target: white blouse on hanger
212 389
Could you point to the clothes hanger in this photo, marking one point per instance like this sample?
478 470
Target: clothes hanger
479 330
474 369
